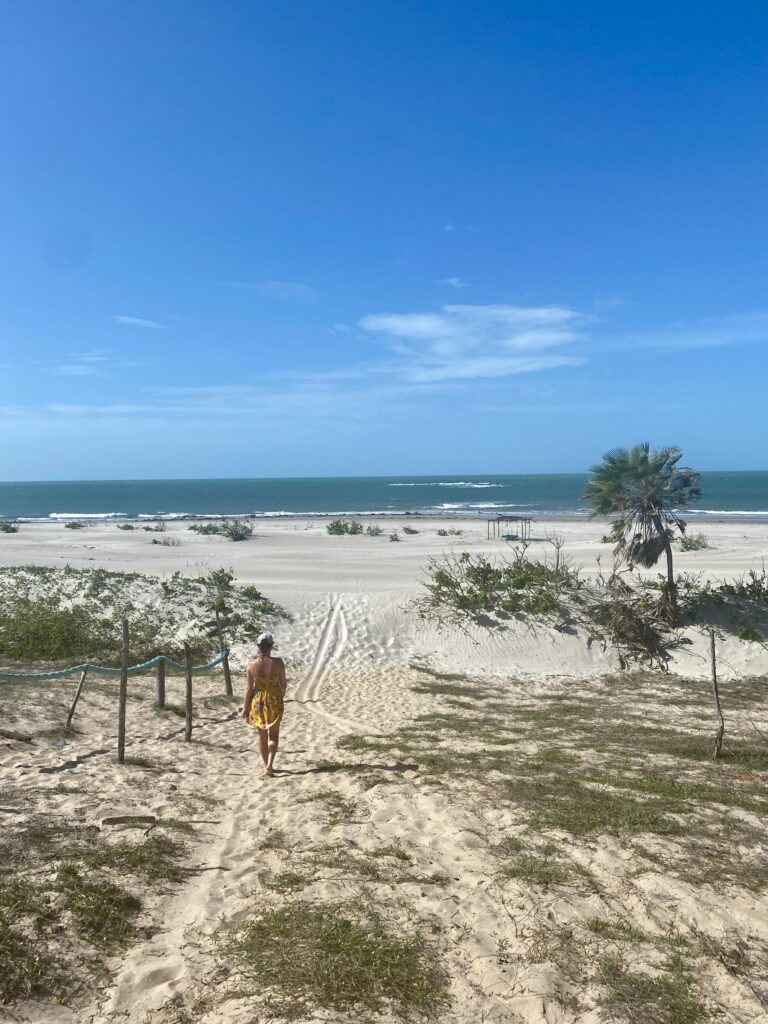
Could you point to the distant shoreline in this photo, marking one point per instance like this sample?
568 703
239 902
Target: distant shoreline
104 519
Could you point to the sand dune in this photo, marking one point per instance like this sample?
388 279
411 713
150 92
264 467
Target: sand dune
427 842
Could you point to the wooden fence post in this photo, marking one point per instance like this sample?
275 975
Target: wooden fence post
76 698
188 660
123 697
715 691
160 686
225 663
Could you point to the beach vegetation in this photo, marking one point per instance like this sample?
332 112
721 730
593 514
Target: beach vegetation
73 524
288 881
344 527
410 531
8 528
160 527
693 541
102 912
232 529
448 533
73 615
644 490
341 956
373 531
394 536
539 871
25 970
167 542
126 526
667 997
617 930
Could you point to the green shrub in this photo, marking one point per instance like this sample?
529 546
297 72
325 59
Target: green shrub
167 542
410 531
8 528
206 529
157 528
73 525
448 533
394 536
340 527
374 531
125 526
236 529
72 615
693 542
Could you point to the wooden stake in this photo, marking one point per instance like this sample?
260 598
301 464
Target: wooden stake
76 698
123 697
188 660
225 663
715 691
160 685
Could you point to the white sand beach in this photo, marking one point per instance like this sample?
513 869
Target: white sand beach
365 817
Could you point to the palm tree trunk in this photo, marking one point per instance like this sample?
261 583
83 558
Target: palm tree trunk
671 587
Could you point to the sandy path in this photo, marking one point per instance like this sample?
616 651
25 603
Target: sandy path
154 972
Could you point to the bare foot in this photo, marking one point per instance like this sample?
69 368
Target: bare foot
269 773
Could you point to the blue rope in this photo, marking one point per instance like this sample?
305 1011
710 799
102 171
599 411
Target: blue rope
8 677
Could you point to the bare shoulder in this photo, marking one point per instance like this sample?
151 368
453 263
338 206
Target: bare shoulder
279 662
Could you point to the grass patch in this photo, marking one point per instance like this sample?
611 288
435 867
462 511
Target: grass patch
102 912
25 971
536 871
156 859
393 850
617 930
340 810
340 956
668 998
287 881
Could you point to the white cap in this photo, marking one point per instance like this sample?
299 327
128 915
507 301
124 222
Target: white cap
265 638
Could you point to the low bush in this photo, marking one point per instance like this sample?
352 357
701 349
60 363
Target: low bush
394 536
236 529
157 528
341 527
206 529
693 542
167 542
8 528
448 533
74 525
410 531
125 526
373 531
72 615
232 529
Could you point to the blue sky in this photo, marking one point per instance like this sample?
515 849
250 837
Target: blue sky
355 237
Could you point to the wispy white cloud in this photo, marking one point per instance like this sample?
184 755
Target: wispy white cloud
470 342
137 321
76 370
275 289
454 282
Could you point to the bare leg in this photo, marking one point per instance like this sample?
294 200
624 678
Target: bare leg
273 737
263 745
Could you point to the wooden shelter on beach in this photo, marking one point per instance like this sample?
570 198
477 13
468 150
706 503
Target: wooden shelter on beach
499 526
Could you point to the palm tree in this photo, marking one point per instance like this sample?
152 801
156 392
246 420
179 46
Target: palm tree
645 489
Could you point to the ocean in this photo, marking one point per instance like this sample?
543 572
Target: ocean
725 495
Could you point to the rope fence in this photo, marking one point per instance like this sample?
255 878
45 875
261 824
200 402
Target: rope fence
160 662
103 670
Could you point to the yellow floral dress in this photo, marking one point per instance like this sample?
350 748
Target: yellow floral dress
267 702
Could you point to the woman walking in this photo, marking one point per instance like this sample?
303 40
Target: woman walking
264 691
